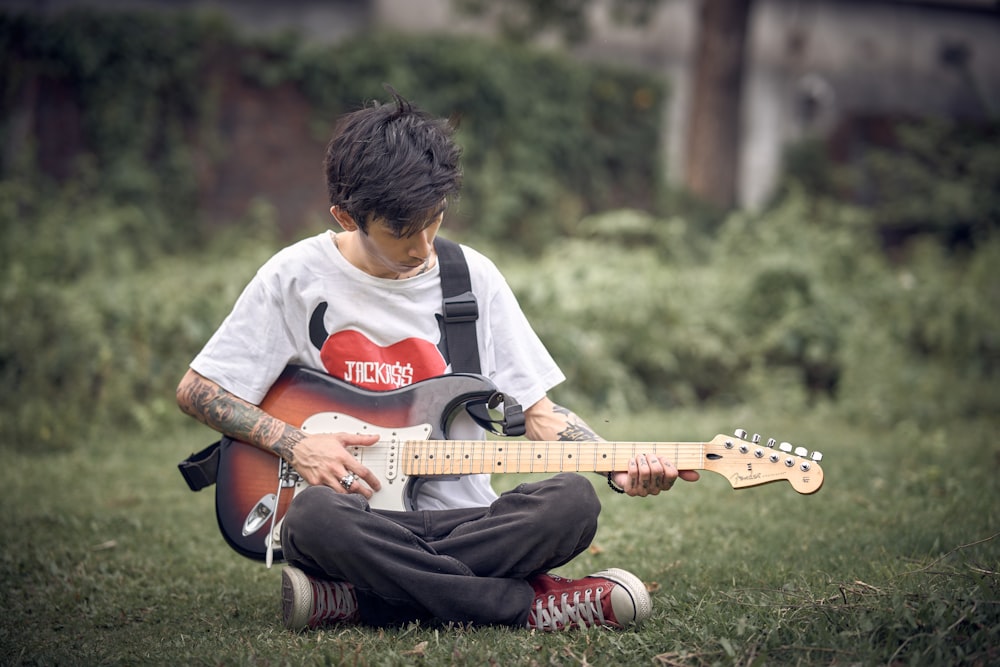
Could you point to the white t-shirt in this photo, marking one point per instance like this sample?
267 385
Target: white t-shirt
308 305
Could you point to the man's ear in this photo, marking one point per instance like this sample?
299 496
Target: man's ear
343 219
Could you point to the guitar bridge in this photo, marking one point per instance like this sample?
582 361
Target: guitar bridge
287 477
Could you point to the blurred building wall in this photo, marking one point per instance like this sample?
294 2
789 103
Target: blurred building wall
823 68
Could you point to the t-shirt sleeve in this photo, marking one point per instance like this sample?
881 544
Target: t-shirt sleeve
253 345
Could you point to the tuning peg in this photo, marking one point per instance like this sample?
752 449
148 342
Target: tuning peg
771 442
801 451
785 447
755 439
741 434
817 456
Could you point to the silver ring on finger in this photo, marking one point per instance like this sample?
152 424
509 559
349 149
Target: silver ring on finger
348 480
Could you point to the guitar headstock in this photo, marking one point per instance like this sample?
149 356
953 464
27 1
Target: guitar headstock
748 462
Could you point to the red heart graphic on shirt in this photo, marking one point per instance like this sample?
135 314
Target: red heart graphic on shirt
350 355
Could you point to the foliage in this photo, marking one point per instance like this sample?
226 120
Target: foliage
943 180
544 138
135 80
795 305
929 350
937 179
791 307
522 20
100 322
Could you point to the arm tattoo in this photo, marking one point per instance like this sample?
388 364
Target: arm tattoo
215 407
576 429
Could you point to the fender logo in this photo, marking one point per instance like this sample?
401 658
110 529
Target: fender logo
737 477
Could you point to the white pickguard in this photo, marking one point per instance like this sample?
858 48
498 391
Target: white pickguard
382 458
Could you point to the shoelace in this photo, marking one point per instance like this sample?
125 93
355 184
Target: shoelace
331 601
562 616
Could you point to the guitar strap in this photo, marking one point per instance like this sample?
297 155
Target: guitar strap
461 310
201 469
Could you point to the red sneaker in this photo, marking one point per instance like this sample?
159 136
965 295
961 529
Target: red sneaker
611 598
311 603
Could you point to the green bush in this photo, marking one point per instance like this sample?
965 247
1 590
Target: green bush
545 138
943 180
136 80
930 349
787 308
99 323
935 178
791 307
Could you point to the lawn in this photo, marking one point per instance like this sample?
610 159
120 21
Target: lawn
110 559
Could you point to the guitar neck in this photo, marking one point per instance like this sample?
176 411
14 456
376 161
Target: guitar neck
464 457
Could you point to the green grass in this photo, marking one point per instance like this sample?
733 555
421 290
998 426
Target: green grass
109 559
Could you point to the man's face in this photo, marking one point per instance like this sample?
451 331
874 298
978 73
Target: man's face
389 256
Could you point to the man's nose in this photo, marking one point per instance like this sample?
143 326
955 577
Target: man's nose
423 241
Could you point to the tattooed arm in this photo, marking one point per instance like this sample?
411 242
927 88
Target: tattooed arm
213 406
321 458
646 474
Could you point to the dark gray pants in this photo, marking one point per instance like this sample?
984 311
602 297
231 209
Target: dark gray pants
464 565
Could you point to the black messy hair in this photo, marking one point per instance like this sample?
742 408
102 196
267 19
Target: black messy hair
392 163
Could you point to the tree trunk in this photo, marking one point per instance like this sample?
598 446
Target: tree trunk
714 123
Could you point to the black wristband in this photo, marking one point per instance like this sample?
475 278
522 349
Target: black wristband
614 487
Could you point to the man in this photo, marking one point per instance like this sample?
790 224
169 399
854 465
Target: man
366 301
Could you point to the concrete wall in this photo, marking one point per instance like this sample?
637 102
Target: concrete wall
814 65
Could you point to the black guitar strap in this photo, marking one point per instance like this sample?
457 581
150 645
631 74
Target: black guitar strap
461 310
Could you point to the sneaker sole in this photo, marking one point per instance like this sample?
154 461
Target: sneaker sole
634 590
296 598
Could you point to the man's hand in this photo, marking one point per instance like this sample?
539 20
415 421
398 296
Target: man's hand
649 474
323 459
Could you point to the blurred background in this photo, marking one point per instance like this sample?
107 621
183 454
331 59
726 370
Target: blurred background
698 202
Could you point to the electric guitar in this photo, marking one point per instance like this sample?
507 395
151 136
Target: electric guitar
255 487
